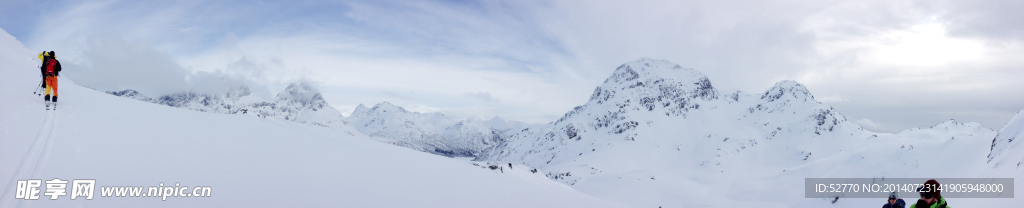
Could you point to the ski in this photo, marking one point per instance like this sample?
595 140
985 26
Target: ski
47 105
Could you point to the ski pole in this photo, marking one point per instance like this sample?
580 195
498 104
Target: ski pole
40 85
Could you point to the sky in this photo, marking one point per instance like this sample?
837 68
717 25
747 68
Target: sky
887 65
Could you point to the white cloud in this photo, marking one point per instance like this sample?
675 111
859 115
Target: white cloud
868 124
484 96
906 57
111 63
897 62
421 108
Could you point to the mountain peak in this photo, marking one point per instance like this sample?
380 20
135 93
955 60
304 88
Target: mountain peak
360 109
303 92
787 89
644 68
654 84
387 106
950 122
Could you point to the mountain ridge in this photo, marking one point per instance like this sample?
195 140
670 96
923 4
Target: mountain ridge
299 102
431 132
653 123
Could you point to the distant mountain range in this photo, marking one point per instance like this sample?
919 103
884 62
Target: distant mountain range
432 132
653 120
299 102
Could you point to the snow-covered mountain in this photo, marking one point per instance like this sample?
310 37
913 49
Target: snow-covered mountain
1007 148
655 101
431 132
505 127
656 134
299 102
247 161
385 122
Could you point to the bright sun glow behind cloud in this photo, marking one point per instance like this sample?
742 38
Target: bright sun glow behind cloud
923 45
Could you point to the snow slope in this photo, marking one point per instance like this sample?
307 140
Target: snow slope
431 132
248 161
1007 149
657 134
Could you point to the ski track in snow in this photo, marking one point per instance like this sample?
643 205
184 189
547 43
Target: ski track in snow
35 158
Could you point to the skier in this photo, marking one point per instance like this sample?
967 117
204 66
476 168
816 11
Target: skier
895 201
51 70
930 196
42 70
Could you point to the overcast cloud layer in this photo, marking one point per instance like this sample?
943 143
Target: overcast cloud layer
887 65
